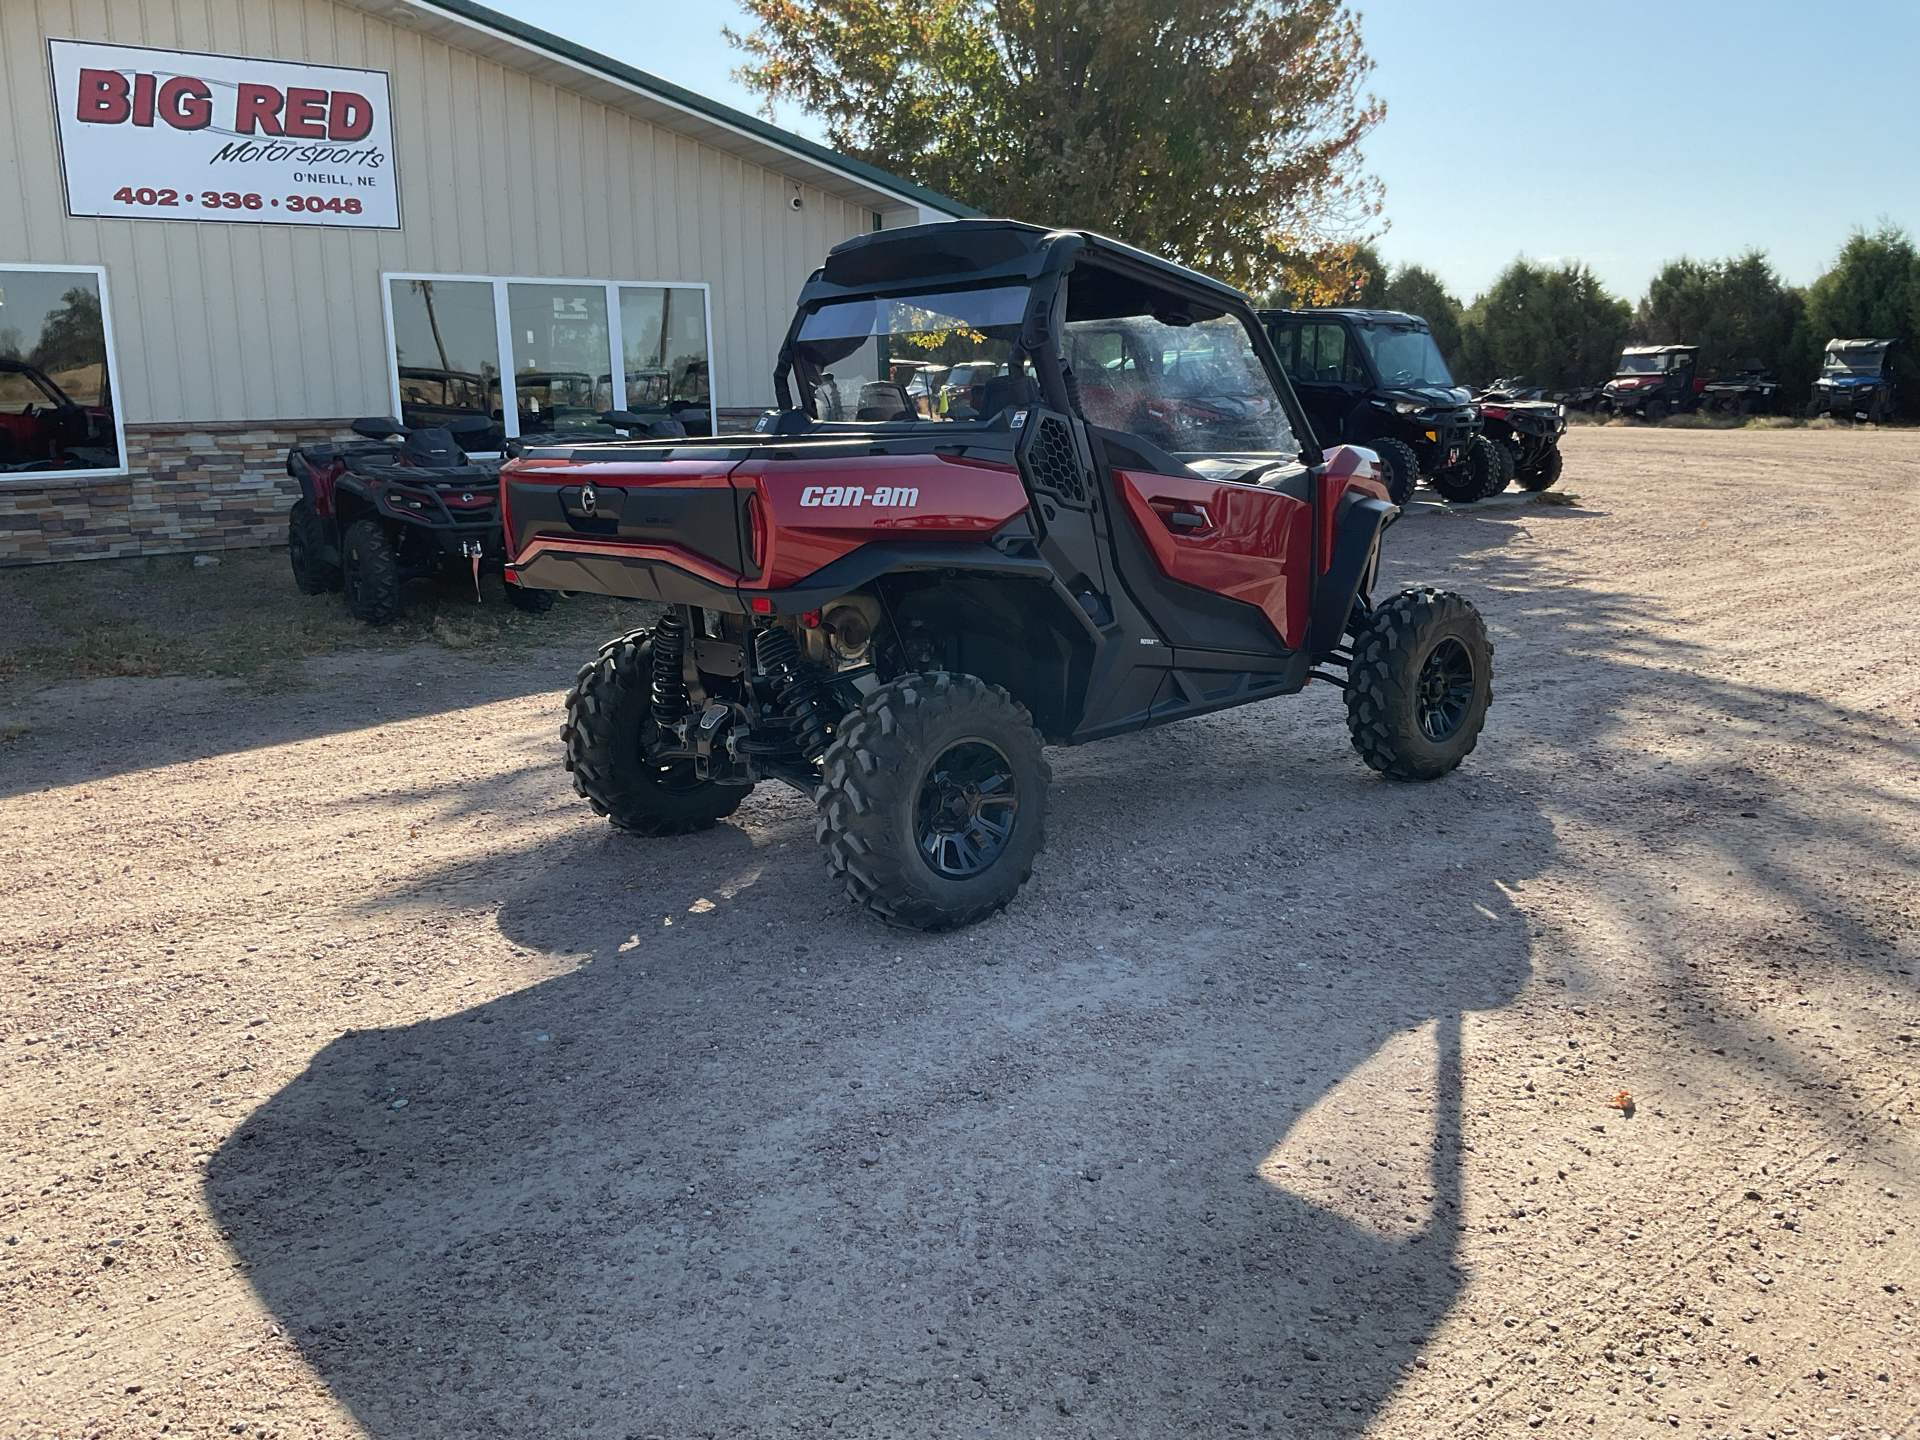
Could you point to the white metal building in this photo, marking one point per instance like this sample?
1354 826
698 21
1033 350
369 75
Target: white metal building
226 225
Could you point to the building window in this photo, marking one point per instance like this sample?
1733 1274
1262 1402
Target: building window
663 334
59 414
446 350
573 350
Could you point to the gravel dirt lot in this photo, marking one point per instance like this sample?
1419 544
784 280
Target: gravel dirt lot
356 1081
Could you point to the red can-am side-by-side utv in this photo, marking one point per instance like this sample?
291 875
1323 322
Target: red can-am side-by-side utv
892 611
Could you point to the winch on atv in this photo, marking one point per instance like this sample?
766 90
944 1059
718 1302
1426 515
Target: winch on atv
1023 488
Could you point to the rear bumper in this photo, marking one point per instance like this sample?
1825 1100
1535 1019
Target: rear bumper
632 572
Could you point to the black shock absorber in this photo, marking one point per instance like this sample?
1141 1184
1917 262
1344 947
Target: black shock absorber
793 690
670 702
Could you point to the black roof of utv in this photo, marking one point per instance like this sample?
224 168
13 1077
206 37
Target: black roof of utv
1397 319
978 252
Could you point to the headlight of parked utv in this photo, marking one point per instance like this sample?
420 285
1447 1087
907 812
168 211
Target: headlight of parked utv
1405 407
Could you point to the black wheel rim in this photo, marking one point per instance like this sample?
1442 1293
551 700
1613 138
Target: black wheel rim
968 806
1445 690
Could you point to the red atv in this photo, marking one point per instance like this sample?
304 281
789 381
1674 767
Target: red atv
372 516
1128 524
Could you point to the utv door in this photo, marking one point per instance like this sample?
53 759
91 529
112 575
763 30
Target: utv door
1322 360
1219 565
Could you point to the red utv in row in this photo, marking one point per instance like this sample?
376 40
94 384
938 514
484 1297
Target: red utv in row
51 430
1129 524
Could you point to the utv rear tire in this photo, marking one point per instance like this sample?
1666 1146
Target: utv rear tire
1400 466
609 729
1419 684
928 774
370 572
533 602
1542 476
1467 482
306 550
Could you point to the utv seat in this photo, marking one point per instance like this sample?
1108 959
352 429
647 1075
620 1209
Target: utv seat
1006 392
883 400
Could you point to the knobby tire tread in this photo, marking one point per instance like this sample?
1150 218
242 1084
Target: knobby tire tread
1383 675
874 753
609 711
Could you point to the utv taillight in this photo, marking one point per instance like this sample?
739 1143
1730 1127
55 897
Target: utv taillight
756 533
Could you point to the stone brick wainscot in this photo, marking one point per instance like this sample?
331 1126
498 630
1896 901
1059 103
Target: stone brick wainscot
192 487
219 485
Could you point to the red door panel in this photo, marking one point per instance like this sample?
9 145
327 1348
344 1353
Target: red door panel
1240 541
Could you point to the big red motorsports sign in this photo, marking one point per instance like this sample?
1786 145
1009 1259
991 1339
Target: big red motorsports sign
172 135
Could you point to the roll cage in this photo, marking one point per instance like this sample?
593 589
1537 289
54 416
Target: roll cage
1068 276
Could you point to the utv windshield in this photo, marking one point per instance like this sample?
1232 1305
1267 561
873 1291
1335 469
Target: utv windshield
1853 362
1645 364
944 355
1406 356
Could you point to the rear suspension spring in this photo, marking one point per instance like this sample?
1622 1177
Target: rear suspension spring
670 700
796 693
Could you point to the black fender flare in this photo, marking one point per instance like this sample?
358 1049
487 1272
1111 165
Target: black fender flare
1359 520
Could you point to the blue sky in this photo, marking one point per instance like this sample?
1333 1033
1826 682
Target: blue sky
1623 135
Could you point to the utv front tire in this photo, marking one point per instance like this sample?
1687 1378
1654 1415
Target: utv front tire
934 802
1400 467
608 732
370 573
306 550
1419 684
1500 471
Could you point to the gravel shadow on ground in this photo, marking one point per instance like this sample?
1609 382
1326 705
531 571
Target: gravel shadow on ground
1005 1182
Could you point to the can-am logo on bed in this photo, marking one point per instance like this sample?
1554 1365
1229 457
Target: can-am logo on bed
174 135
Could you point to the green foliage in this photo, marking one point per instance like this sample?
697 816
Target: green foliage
72 335
1555 325
1737 311
1221 133
1873 293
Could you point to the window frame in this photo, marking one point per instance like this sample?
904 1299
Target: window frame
52 479
503 334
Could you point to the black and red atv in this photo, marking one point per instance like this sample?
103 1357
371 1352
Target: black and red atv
1527 426
373 516
1131 523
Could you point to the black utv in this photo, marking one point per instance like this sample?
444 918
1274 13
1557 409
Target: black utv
1375 378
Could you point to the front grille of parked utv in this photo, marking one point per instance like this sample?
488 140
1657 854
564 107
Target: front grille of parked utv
1051 463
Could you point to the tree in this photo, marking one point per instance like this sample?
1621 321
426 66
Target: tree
1224 134
73 335
1556 326
1873 293
1737 311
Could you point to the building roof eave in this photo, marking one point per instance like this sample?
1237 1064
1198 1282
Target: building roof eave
663 101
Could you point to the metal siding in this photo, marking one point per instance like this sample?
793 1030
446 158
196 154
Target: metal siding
501 174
